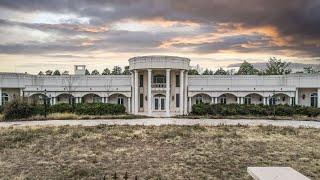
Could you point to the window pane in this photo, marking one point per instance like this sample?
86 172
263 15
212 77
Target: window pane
141 100
177 100
162 103
141 80
177 81
156 103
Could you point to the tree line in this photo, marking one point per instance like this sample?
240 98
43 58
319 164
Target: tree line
116 70
274 67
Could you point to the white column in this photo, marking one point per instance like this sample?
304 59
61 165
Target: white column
238 100
168 92
129 105
186 93
318 98
136 92
149 92
297 97
21 94
212 100
77 100
0 96
181 92
215 100
132 93
267 101
190 105
106 99
54 100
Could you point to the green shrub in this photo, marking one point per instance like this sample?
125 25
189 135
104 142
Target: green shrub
99 109
17 110
201 109
60 108
256 110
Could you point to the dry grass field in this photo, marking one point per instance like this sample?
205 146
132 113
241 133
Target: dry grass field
167 152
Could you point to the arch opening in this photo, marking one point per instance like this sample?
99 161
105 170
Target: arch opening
253 99
91 98
227 98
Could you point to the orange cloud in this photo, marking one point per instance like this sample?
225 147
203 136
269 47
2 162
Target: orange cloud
159 21
228 30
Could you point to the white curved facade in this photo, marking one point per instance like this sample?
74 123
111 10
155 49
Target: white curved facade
160 86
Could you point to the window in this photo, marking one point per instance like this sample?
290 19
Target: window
141 80
141 101
199 100
177 80
120 100
273 101
159 79
314 100
97 99
5 98
247 100
223 99
177 100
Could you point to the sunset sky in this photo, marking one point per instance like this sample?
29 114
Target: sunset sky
57 34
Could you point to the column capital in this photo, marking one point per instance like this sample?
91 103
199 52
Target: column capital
168 70
149 70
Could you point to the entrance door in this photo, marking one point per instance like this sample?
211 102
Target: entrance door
159 103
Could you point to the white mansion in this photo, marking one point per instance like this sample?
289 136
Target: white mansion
160 86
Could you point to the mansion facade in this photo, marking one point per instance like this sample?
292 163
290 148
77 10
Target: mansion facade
161 86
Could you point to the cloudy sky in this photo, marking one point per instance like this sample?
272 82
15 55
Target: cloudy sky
57 34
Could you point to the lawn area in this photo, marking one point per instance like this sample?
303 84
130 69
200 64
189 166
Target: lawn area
168 152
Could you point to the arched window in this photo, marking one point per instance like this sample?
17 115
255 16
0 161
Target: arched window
223 99
5 98
314 100
247 100
199 99
120 100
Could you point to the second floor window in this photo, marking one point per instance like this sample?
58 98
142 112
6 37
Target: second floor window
141 80
177 80
159 79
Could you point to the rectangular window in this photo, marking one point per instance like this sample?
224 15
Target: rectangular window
120 100
141 80
177 100
177 80
141 100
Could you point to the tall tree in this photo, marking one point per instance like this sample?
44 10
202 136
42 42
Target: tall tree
126 70
247 69
117 70
221 71
48 72
41 73
277 67
193 72
207 72
95 72
56 73
87 72
106 71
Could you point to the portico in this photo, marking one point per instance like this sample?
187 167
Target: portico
159 85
